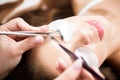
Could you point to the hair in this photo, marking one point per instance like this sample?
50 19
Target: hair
109 72
40 17
59 4
26 70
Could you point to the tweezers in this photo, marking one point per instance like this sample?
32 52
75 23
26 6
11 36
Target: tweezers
30 33
85 65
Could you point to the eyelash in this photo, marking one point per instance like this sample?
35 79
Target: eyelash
61 36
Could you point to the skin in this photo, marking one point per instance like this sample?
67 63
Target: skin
49 52
110 10
115 48
13 47
76 68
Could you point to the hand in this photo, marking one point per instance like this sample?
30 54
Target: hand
75 71
12 47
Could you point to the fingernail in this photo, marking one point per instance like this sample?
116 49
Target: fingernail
39 39
77 64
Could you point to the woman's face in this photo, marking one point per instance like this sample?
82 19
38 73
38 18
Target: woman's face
89 32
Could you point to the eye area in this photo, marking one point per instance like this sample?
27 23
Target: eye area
63 28
61 36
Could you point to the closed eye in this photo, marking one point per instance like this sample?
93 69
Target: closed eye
61 36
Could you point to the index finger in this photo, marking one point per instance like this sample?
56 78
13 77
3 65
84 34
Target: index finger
18 24
73 72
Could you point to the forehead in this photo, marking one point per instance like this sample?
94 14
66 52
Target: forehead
47 54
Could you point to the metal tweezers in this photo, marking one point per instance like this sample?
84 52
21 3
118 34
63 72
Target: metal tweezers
30 33
85 65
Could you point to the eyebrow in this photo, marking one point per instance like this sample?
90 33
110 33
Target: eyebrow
85 65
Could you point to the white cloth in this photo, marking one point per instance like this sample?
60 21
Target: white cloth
2 2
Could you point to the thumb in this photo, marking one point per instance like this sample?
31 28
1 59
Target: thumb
72 73
28 43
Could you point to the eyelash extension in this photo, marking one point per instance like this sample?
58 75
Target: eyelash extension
61 36
56 39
